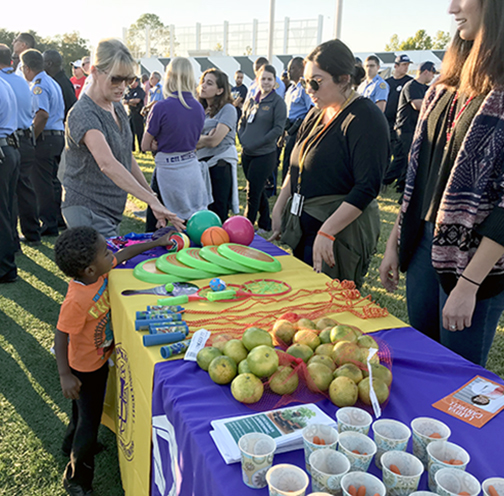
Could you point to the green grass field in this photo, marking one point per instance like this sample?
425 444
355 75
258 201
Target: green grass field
33 411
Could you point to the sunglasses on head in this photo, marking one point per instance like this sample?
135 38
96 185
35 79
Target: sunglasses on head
313 83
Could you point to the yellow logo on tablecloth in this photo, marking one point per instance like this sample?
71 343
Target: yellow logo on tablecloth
125 404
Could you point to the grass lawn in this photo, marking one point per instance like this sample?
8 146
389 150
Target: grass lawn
33 411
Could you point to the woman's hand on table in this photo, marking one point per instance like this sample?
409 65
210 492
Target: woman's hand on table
389 269
276 226
322 251
459 307
70 385
162 213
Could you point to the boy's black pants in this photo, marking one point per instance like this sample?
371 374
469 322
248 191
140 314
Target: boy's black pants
82 432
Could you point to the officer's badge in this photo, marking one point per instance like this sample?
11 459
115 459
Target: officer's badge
383 86
277 85
37 90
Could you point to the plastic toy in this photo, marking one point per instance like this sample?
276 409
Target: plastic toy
199 222
239 229
214 236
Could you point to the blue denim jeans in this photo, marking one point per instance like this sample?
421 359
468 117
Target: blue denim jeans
426 299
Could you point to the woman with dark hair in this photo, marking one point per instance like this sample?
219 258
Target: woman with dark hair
261 124
216 145
449 236
327 211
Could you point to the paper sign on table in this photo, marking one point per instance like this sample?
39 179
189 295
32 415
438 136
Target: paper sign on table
476 402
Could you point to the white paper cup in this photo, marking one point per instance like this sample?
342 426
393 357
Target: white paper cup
257 451
496 482
319 494
350 442
353 419
422 493
407 481
423 429
389 435
373 484
286 480
327 469
324 432
451 482
440 453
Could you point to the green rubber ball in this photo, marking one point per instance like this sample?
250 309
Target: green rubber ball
199 222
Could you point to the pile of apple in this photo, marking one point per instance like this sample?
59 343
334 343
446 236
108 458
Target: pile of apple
336 358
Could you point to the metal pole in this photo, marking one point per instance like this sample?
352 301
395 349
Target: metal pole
338 18
271 32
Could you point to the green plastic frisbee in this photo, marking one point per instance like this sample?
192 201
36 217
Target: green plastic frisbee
168 263
211 254
192 258
255 259
146 271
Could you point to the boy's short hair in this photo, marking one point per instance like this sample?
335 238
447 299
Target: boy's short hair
76 249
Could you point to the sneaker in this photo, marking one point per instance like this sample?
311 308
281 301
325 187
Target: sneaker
75 489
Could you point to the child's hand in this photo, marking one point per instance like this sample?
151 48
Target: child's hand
165 240
70 386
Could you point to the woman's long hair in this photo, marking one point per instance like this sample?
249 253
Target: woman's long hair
476 67
179 77
222 82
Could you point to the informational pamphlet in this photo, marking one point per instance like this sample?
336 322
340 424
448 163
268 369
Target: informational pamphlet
285 425
476 402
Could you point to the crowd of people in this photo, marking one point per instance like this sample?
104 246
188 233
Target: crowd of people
345 134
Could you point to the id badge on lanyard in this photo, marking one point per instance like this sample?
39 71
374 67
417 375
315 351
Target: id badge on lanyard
252 115
297 204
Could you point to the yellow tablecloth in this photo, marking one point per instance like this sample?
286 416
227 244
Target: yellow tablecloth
127 408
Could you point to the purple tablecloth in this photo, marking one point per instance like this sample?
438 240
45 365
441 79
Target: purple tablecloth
185 400
259 243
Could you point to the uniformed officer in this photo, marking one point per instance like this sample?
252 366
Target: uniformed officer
374 87
134 102
27 207
22 42
49 134
9 171
156 90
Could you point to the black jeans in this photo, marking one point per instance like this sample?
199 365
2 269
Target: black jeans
151 221
46 182
257 170
9 172
82 431
137 129
26 205
222 184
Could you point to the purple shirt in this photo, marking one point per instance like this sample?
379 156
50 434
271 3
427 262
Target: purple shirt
176 128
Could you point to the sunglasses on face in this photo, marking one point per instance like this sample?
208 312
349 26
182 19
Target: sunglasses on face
117 80
313 83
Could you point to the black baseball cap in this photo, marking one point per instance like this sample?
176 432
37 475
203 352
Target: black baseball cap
402 58
428 66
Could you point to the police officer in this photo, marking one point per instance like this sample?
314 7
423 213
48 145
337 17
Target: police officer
49 133
374 87
9 170
156 90
27 207
134 102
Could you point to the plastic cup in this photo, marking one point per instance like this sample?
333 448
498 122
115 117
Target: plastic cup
389 435
257 452
423 429
327 469
422 493
353 419
440 453
286 480
319 494
358 448
373 484
410 468
324 432
451 482
496 482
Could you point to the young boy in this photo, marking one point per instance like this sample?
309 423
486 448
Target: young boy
84 342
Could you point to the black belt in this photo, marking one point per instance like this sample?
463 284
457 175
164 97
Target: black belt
24 133
51 132
11 140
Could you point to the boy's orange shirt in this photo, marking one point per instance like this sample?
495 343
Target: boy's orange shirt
85 317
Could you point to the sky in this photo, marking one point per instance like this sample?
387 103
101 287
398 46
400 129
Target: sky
367 24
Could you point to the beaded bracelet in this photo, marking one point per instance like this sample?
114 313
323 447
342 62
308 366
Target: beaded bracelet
467 279
328 236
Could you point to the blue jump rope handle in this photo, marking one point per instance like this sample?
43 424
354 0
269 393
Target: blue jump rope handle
174 349
155 339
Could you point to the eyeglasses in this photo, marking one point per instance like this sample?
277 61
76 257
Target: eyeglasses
313 83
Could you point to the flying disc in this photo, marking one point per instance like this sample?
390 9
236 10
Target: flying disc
146 271
168 263
192 258
211 254
251 257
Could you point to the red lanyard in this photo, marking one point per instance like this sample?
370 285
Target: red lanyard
451 121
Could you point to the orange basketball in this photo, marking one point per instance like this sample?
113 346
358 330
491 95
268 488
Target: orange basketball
214 236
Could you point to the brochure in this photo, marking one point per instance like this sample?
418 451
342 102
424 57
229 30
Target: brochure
476 402
285 425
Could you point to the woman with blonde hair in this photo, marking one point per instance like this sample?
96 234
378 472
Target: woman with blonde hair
99 167
449 236
173 129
